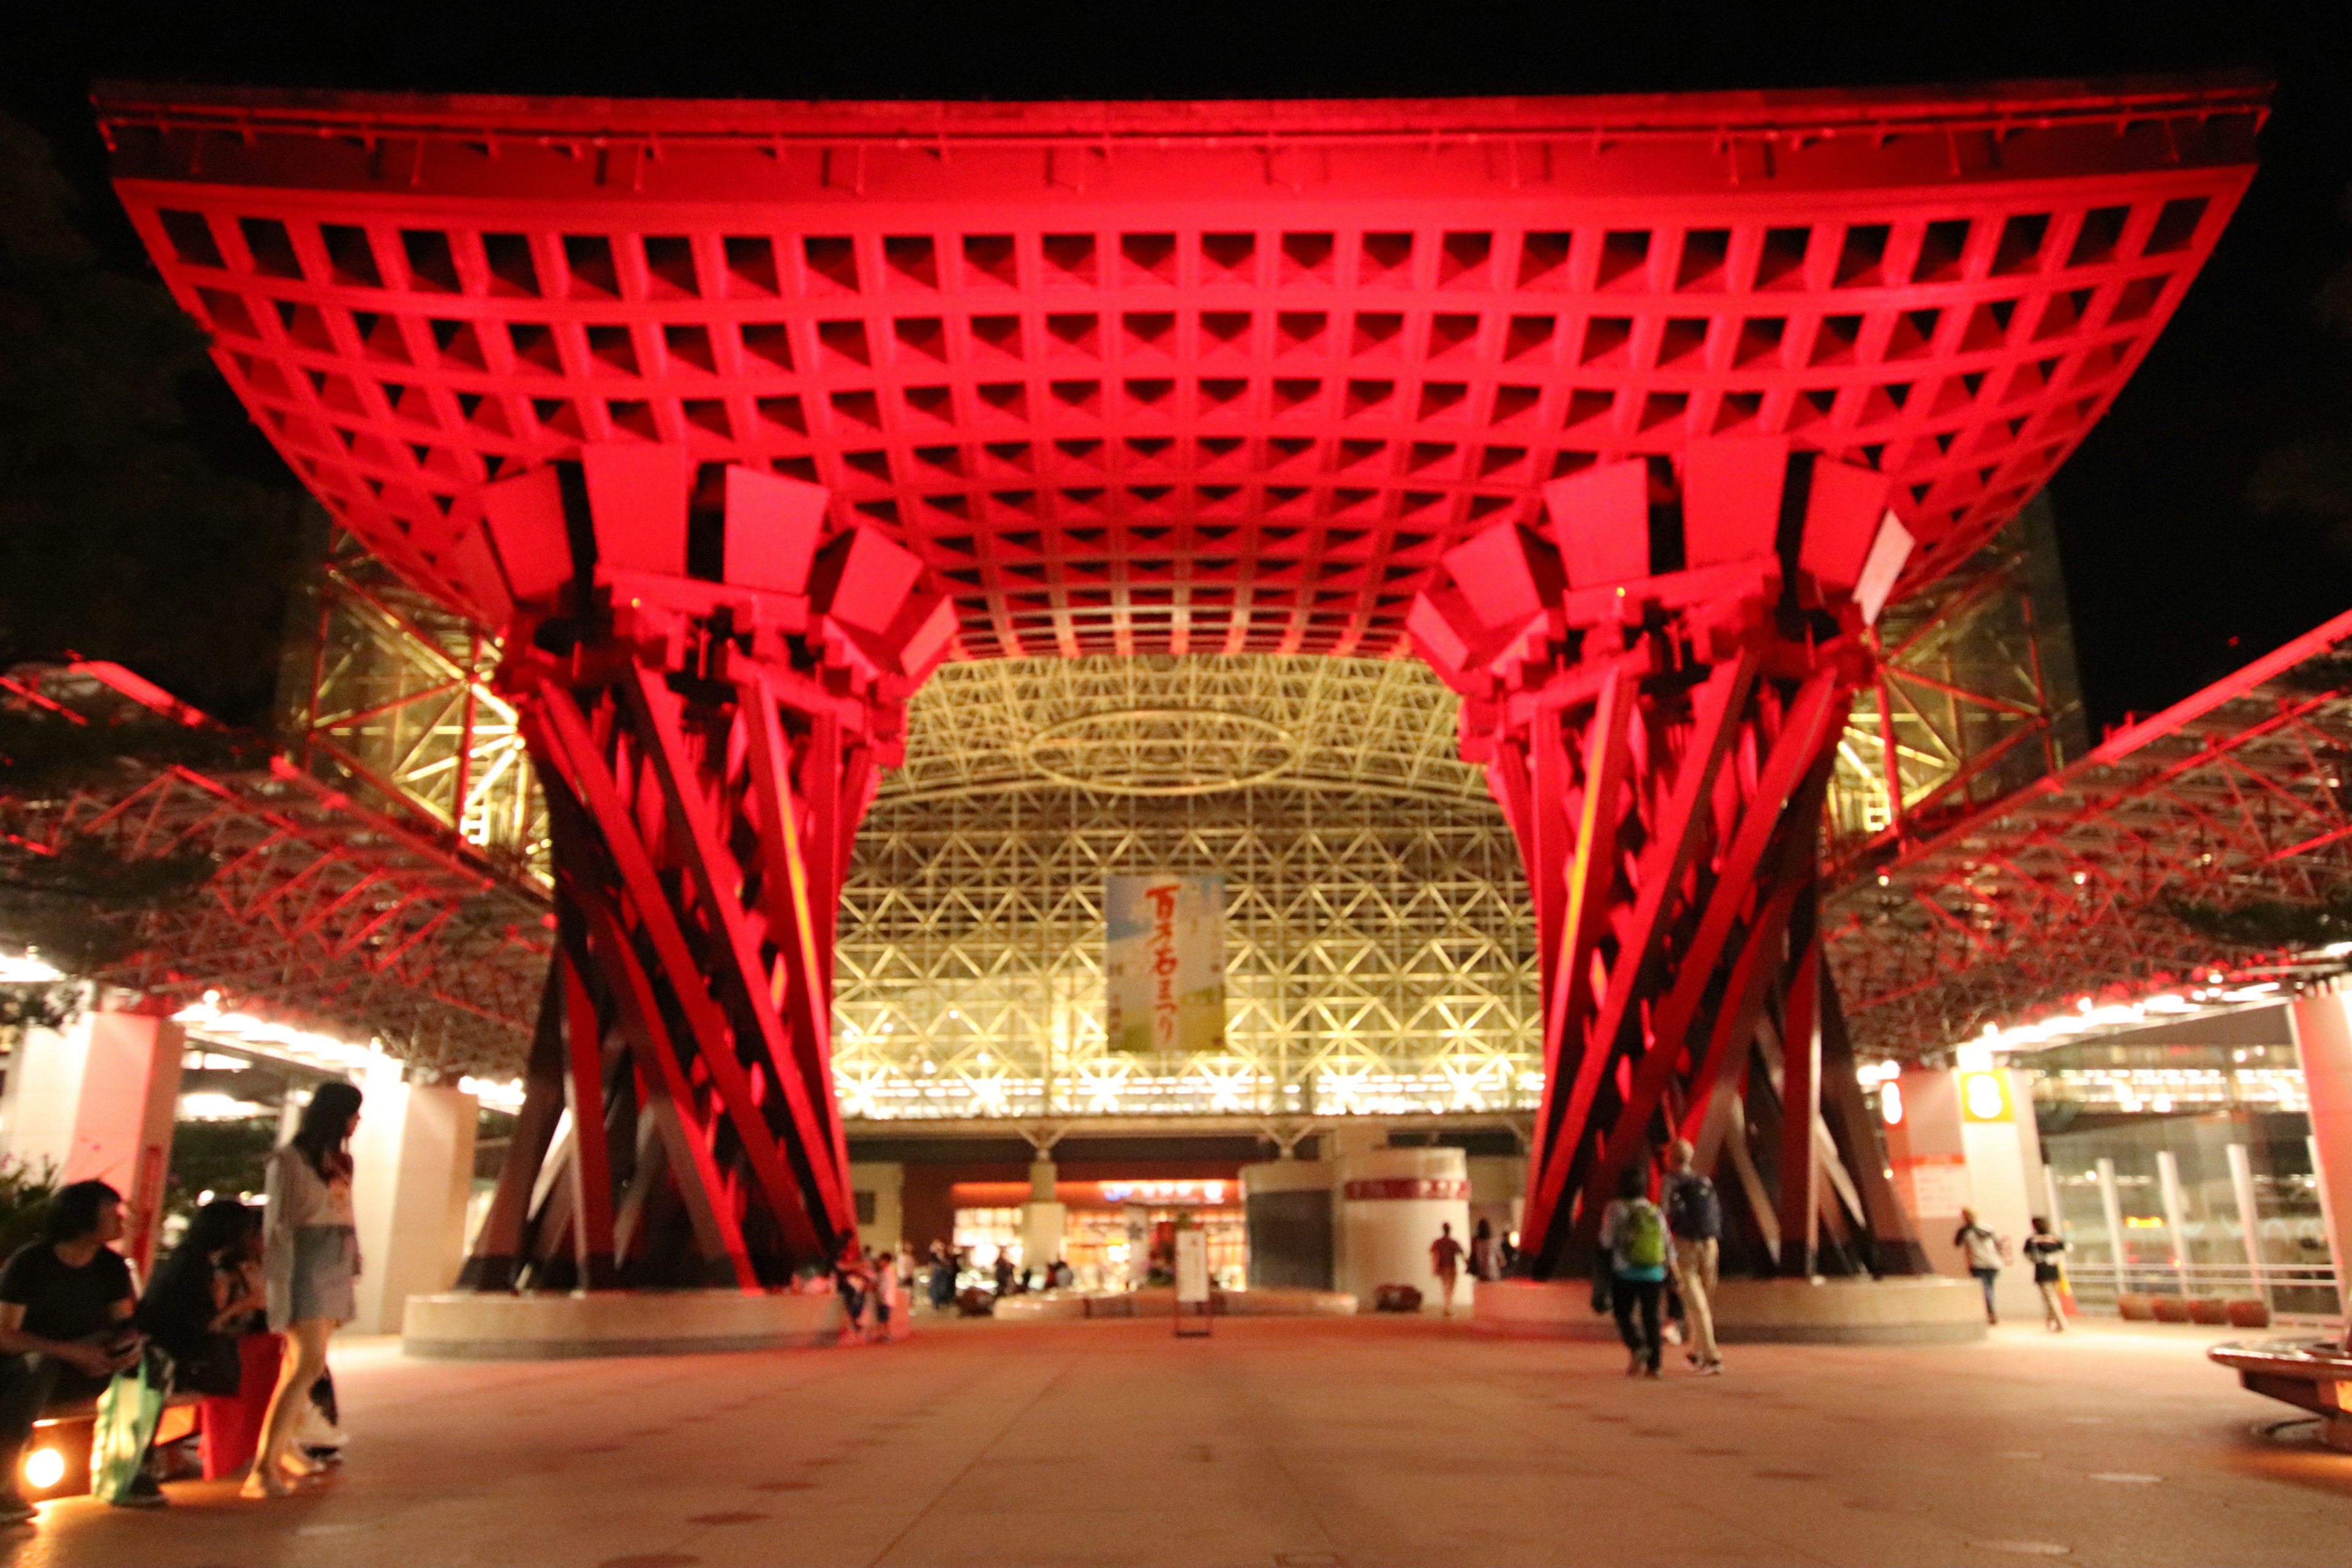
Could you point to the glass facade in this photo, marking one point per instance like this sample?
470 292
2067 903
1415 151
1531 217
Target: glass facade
2156 1206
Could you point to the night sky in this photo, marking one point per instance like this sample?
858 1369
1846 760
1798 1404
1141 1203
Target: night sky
2176 577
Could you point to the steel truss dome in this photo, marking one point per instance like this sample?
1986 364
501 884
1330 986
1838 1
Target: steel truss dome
1198 725
1380 950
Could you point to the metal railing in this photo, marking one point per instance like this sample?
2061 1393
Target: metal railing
2291 1289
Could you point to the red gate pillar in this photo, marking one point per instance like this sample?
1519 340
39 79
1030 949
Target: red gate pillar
1655 682
710 683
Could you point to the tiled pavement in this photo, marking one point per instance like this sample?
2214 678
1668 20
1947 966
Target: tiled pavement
1277 1444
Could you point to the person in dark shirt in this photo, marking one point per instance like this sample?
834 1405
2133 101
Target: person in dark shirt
1446 1262
202 1298
66 1303
2043 1248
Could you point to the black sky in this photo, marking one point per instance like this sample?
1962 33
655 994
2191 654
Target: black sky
2175 578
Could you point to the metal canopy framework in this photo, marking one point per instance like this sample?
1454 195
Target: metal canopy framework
328 911
2074 886
733 420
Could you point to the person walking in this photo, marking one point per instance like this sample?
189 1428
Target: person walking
943 1278
2043 1249
853 1281
1633 1234
1983 1250
902 1263
888 1297
1486 1267
310 1260
1694 1232
66 1328
1446 1262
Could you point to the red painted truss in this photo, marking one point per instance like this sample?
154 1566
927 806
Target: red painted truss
2083 887
1656 681
1179 377
317 908
708 677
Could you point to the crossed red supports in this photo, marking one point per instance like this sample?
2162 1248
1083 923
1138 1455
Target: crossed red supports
709 681
1656 683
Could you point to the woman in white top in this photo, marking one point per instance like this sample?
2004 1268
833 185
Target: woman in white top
311 1258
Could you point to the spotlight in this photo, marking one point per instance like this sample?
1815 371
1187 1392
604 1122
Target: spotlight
43 1468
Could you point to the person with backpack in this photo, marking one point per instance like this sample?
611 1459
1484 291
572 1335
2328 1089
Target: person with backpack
1986 1252
1633 1234
1694 1234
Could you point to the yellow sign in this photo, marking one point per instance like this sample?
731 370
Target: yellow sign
1984 1097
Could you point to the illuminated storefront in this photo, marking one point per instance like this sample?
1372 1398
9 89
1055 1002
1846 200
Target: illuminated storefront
1114 1234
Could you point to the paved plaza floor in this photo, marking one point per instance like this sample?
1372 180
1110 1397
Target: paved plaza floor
1370 1443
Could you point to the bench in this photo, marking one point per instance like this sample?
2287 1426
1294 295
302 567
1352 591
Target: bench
2311 1375
65 1426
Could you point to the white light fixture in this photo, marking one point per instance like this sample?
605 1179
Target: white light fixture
28 968
492 1094
207 1106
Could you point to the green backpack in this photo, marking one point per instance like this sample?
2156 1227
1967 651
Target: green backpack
1641 1234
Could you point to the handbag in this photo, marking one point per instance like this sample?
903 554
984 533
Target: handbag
128 1414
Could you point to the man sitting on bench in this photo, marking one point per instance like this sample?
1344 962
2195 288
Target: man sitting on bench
66 1302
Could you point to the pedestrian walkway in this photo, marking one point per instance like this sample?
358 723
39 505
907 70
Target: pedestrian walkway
1362 1443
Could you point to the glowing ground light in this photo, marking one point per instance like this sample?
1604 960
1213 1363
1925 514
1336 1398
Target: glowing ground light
43 1468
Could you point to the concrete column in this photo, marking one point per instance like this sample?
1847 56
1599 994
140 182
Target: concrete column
97 1099
2250 1232
2111 1209
413 1162
2323 1037
2176 1215
1043 1220
1392 1202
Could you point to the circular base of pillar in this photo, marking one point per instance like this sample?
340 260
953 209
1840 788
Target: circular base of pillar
1160 1301
458 1326
2311 1375
1895 1311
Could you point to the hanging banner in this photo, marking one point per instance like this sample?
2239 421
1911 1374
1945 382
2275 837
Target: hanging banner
1164 962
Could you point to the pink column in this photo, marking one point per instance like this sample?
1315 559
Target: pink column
98 1099
2323 1035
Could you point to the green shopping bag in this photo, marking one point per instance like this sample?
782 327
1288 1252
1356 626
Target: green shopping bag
128 1414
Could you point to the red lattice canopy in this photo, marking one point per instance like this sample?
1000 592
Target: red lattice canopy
1182 377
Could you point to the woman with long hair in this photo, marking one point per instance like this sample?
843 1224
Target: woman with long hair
311 1256
201 1305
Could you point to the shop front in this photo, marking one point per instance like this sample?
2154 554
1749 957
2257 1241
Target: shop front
1115 1233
